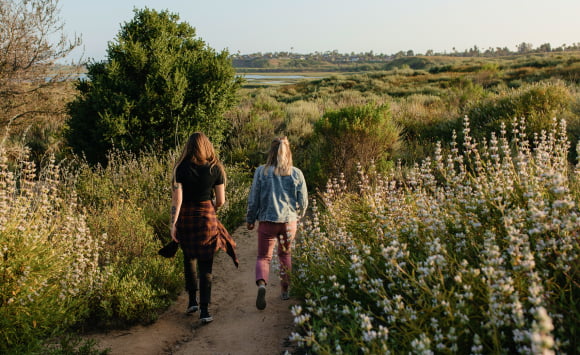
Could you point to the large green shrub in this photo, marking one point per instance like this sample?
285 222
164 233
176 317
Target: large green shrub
158 84
351 135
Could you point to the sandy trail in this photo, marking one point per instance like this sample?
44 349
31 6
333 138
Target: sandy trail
238 327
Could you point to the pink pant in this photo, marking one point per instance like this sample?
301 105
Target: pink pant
268 233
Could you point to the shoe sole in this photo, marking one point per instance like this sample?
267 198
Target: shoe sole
261 300
206 320
192 309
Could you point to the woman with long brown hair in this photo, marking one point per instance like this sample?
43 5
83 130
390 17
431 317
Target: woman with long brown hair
278 198
197 177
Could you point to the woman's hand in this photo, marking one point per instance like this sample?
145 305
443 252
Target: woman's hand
173 233
250 226
176 199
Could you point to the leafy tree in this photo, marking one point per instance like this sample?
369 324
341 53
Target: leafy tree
158 84
524 47
32 40
545 47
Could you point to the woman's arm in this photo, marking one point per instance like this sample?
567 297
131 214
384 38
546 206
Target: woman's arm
302 195
254 199
176 199
220 195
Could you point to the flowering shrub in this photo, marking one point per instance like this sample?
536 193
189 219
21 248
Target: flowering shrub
129 200
49 259
472 251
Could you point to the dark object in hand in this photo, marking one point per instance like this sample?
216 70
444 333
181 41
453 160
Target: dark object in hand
169 250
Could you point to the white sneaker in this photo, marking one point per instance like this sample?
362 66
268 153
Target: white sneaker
205 317
206 320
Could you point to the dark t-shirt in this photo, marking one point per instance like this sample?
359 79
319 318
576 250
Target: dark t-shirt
198 180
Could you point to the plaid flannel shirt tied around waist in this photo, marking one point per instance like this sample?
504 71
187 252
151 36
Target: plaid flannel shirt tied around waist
201 234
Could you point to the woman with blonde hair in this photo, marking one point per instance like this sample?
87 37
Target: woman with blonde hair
197 177
278 199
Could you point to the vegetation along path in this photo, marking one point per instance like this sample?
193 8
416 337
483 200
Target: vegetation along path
238 327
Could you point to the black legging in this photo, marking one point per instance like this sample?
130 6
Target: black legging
191 275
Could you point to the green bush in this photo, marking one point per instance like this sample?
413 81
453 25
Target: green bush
537 103
354 134
129 201
136 290
158 84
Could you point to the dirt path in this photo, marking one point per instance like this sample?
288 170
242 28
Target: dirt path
238 327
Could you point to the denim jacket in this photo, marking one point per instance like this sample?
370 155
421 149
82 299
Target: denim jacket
274 198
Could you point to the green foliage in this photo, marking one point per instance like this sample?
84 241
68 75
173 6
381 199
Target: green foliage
158 84
128 200
538 103
351 135
136 290
233 213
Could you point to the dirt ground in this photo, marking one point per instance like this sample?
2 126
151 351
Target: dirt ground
238 327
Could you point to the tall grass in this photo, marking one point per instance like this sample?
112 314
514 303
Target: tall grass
472 251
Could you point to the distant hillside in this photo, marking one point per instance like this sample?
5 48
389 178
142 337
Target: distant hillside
432 63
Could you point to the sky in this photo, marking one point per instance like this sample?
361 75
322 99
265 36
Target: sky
359 26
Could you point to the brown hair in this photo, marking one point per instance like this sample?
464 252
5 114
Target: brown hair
200 151
280 157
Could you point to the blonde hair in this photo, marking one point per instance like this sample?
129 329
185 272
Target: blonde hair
200 151
280 157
